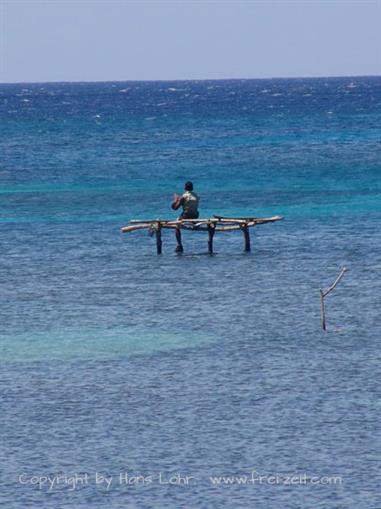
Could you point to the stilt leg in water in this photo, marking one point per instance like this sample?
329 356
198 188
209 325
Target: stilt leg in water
158 239
246 235
211 232
179 247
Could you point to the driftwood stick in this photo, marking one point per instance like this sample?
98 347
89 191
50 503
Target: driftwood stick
323 294
335 283
322 310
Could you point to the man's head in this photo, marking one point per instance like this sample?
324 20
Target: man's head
188 186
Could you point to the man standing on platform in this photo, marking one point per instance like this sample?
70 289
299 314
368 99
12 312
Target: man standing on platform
189 202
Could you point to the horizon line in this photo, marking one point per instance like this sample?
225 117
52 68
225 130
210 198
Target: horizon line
38 82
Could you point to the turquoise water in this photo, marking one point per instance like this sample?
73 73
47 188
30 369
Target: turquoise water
115 360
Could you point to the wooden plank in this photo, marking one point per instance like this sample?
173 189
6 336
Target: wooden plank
133 221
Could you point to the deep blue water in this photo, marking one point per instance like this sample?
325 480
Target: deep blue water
117 361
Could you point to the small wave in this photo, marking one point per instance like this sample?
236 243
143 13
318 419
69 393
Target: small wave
172 89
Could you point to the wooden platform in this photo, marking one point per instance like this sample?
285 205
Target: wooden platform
212 225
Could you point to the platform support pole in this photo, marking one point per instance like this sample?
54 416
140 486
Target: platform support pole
179 247
158 238
246 235
211 232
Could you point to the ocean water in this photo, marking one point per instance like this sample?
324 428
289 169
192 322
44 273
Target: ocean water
174 377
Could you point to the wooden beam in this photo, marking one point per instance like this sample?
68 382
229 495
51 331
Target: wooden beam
234 220
135 227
